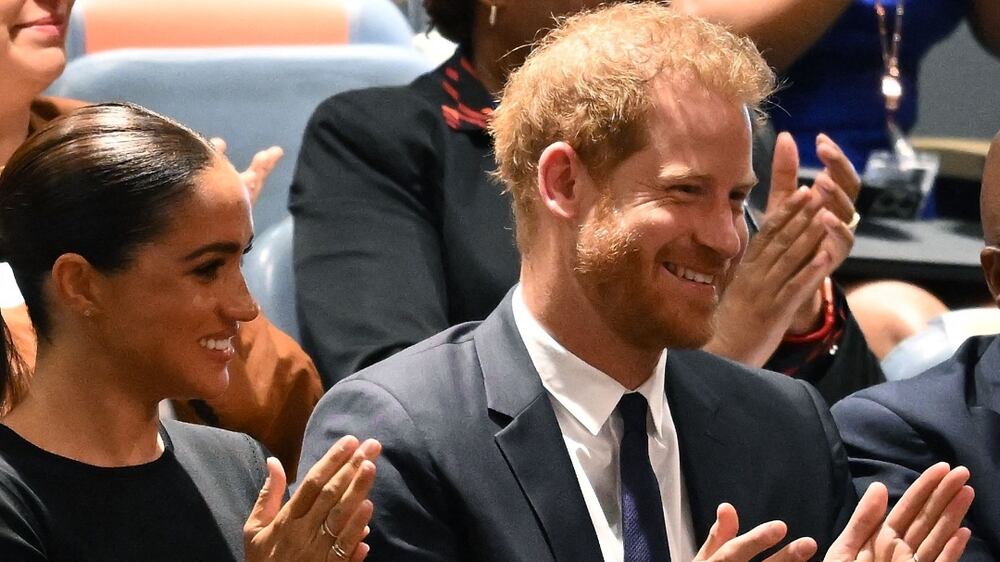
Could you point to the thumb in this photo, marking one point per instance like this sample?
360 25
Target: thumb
727 524
784 171
269 501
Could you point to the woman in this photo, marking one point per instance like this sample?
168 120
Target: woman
274 384
833 61
124 231
400 231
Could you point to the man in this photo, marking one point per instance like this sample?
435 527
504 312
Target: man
559 428
893 431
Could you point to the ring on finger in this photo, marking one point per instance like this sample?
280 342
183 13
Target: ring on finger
339 552
853 225
325 529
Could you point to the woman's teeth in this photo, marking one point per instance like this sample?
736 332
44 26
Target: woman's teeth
220 345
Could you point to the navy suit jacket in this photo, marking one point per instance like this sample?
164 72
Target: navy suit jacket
951 413
474 466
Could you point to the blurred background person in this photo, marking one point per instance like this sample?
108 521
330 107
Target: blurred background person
274 384
125 231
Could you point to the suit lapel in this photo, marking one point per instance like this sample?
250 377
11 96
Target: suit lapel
531 440
712 458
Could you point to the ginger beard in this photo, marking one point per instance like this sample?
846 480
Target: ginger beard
626 287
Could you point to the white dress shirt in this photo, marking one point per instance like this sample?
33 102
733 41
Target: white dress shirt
584 399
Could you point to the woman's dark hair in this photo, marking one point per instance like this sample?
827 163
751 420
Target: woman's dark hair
99 182
452 18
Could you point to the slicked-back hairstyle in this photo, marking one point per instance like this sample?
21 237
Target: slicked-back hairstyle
589 83
454 19
99 182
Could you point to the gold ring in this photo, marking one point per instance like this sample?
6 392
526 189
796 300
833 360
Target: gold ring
338 551
853 225
326 531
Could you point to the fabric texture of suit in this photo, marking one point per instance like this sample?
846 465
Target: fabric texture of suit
474 466
399 230
951 413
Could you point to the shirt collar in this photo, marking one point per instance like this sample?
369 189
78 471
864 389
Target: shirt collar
468 105
589 394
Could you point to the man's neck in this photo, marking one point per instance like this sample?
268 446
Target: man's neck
574 322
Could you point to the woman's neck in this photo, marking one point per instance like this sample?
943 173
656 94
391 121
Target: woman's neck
77 409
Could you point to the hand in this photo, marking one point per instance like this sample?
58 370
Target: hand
723 545
927 520
837 185
255 176
801 242
332 499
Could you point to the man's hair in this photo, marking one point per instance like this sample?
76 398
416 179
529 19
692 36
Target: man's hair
589 83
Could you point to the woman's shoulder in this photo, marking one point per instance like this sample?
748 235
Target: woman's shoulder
188 439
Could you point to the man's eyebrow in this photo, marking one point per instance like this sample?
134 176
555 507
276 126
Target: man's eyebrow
683 176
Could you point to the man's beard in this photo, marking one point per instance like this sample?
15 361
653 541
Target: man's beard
608 265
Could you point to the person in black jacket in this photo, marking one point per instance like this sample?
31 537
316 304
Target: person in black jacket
124 231
400 231
571 424
951 412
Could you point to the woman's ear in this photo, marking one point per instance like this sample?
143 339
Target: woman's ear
76 284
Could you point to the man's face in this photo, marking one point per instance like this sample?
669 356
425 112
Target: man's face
652 254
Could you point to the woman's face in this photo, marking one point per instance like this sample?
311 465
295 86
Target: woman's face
33 39
170 316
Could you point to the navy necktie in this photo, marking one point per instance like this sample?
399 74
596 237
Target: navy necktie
643 531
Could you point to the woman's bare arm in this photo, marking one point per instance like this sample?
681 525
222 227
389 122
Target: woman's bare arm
782 29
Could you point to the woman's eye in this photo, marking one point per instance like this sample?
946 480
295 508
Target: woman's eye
209 270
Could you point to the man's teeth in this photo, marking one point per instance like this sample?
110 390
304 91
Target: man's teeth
690 274
215 344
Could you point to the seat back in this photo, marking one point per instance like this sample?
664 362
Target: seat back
101 25
251 97
269 275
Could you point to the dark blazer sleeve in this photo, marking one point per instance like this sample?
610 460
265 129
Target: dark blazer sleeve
367 244
842 485
883 447
410 521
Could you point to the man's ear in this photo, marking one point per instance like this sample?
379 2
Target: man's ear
75 284
564 185
990 259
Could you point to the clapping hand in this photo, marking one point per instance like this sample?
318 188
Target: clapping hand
254 176
326 519
924 526
804 237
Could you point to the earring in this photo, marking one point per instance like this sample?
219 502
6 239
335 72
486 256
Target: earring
88 313
493 15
